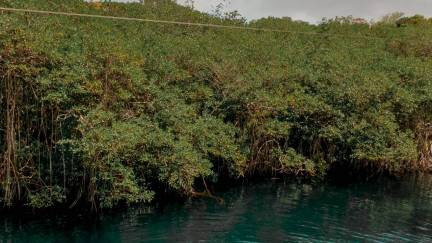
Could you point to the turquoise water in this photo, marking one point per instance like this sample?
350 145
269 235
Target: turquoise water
384 211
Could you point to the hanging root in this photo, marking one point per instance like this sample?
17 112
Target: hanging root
9 177
18 65
207 193
424 141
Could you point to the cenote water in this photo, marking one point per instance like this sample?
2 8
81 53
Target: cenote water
379 211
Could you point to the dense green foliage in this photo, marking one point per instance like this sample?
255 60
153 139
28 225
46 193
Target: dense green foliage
110 112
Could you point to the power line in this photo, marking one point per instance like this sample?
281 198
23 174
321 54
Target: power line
176 22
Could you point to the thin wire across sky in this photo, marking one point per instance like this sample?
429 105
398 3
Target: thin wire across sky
71 14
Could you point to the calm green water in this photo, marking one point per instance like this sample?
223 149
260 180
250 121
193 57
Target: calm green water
385 211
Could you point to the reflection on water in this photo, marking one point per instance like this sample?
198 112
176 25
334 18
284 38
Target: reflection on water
384 211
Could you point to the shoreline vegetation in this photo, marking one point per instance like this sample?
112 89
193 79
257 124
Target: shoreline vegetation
101 113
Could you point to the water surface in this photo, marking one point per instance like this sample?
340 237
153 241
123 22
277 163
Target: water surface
384 211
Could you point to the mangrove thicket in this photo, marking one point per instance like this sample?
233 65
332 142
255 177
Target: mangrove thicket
104 113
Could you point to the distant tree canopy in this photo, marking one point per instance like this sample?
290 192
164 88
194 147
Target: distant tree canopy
416 20
105 113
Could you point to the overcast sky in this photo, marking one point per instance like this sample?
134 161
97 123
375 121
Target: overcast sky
314 10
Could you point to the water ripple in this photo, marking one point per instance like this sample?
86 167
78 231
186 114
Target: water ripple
270 212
